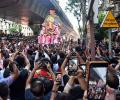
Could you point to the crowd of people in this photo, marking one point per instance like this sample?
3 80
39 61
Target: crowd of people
96 91
28 70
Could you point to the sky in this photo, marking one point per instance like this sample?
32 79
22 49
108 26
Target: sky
70 16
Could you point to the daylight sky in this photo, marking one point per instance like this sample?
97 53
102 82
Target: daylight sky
69 15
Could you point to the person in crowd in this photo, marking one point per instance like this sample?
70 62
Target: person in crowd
43 70
4 91
117 68
31 56
17 88
112 85
9 73
1 59
63 66
72 91
28 70
35 88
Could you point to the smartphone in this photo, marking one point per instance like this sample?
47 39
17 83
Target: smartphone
19 48
73 50
72 67
83 68
97 80
59 78
73 62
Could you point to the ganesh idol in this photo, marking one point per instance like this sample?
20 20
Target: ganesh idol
51 29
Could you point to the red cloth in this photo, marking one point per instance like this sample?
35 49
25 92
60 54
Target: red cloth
59 70
43 73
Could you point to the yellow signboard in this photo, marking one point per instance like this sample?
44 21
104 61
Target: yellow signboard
109 21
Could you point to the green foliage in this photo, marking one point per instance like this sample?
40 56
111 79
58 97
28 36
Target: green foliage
15 28
101 17
100 33
19 28
36 29
74 6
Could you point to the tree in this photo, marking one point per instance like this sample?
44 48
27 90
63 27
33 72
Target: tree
75 7
100 33
101 17
35 27
78 8
19 28
15 28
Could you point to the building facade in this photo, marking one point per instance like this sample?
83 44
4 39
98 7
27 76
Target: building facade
6 25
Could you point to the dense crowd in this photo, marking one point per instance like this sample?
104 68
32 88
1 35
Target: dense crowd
30 71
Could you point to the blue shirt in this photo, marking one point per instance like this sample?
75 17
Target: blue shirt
9 80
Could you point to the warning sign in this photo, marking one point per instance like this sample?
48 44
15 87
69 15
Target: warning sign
109 21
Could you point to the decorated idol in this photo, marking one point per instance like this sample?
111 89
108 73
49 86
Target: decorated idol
51 28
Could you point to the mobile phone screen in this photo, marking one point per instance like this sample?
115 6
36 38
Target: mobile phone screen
73 63
83 68
59 77
97 82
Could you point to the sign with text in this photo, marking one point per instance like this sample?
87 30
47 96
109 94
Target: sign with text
109 21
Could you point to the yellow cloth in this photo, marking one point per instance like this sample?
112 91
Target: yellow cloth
50 18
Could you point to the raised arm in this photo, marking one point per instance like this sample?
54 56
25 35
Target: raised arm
37 55
30 76
81 80
81 61
50 70
63 66
64 63
69 84
117 68
26 61
15 72
54 91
